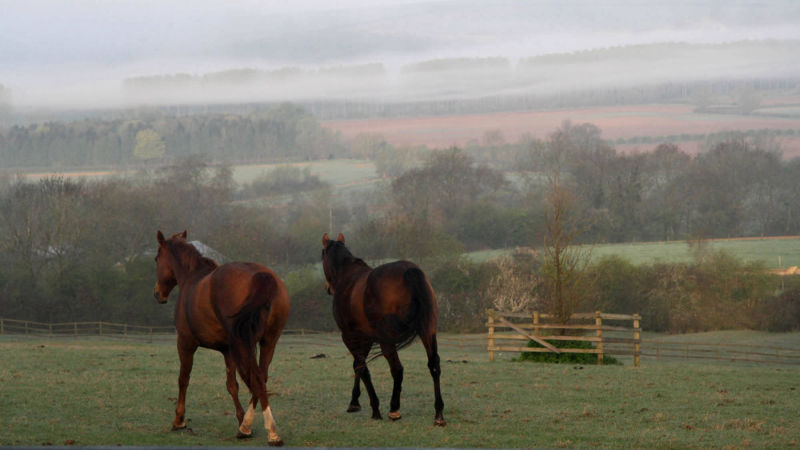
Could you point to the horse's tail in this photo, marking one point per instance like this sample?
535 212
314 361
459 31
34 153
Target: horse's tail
423 300
247 325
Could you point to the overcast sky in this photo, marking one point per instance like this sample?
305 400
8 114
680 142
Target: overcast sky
48 47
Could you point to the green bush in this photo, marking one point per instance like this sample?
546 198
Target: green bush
564 358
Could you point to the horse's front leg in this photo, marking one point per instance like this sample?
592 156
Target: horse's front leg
233 385
186 352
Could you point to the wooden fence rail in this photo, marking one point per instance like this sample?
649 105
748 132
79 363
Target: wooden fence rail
719 351
27 327
541 332
77 329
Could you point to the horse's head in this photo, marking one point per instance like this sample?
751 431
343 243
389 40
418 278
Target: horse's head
328 248
165 273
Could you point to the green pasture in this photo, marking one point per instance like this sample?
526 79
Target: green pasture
108 392
340 173
774 252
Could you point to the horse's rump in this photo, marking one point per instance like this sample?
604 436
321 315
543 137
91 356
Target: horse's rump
401 331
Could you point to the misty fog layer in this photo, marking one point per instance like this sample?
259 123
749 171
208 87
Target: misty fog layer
77 54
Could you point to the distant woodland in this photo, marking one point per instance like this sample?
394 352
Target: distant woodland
79 250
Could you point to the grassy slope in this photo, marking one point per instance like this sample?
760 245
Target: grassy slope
116 392
767 250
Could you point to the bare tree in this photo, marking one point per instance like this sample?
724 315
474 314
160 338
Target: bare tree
565 282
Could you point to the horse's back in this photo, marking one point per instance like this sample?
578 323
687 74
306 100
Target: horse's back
386 289
233 283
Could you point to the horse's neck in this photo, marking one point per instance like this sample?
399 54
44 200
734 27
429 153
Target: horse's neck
190 268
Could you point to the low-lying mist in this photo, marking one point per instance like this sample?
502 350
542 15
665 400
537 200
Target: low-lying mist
434 80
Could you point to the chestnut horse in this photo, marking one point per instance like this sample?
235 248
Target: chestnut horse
387 306
228 308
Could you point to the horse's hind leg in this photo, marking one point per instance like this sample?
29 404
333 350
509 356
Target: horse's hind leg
354 405
265 358
232 385
186 355
255 381
431 347
390 353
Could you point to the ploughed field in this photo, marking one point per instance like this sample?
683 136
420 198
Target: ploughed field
651 120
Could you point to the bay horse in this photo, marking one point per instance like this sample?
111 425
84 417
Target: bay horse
228 308
386 306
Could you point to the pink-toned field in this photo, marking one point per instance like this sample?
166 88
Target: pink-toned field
615 122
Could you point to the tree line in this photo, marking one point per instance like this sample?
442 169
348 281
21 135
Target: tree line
286 132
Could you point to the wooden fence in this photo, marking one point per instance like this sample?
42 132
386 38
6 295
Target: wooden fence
110 329
27 327
759 354
584 327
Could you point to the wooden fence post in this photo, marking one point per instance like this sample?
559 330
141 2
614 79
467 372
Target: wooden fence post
100 328
490 312
536 323
598 322
1 326
636 318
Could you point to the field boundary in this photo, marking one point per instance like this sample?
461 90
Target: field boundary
104 329
759 354
651 349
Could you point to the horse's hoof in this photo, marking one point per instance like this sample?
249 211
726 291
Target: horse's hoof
353 408
278 443
439 422
240 435
395 415
377 416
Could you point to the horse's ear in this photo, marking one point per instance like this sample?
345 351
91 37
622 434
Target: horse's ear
160 237
340 238
325 240
183 235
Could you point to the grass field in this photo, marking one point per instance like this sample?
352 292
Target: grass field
340 173
775 252
110 392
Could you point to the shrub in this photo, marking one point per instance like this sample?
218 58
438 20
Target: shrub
564 358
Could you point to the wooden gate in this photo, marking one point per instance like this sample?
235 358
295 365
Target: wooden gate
519 328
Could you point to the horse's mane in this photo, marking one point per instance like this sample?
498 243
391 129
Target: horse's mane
189 256
340 256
